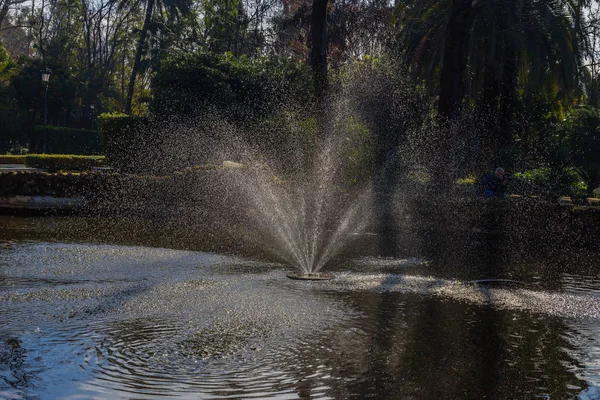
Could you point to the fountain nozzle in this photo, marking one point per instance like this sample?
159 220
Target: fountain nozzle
310 276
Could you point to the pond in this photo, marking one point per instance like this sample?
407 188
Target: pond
93 309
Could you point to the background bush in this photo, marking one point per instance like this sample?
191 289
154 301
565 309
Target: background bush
550 183
63 140
246 88
583 125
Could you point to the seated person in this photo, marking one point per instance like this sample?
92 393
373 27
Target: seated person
494 184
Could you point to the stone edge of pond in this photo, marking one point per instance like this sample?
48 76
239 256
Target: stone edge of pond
17 203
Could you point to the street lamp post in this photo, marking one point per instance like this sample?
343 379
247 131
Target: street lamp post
45 78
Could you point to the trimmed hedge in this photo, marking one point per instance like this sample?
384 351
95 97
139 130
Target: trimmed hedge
12 159
62 140
125 141
60 162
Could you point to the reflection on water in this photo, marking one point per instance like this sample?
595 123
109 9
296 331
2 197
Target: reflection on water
124 321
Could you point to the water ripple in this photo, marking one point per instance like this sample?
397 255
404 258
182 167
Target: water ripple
87 321
569 305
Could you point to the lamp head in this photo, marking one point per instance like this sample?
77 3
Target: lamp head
46 75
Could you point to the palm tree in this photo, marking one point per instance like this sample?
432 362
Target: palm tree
173 8
492 51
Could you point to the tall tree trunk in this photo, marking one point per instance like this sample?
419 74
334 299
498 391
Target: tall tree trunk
228 22
88 26
4 11
456 44
318 63
318 54
594 96
506 107
138 55
452 91
497 105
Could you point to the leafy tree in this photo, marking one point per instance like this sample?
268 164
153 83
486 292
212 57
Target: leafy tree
225 24
247 88
5 6
492 51
173 8
9 129
6 65
583 141
355 29
29 94
591 71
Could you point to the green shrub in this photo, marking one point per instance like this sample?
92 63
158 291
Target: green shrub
469 180
551 183
246 88
62 140
10 159
63 162
359 153
286 140
125 141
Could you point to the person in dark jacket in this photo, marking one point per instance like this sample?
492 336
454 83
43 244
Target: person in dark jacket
494 184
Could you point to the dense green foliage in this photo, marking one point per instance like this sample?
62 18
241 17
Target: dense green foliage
518 67
245 87
63 140
551 184
568 153
528 51
515 84
583 140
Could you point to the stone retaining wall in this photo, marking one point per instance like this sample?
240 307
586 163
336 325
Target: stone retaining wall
41 202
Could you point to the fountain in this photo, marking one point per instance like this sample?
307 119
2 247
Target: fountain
300 203
287 187
310 276
304 219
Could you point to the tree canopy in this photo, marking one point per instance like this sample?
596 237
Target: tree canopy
523 64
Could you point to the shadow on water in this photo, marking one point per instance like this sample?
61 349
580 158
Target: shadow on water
418 347
12 359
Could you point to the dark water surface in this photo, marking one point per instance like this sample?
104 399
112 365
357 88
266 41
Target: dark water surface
99 309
